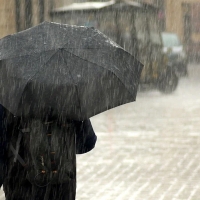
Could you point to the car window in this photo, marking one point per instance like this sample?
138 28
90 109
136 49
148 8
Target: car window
170 40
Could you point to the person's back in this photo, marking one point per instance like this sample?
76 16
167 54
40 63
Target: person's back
63 185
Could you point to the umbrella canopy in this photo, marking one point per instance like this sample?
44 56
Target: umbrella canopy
78 71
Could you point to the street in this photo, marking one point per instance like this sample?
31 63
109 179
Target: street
146 150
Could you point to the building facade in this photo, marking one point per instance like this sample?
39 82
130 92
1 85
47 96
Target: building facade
17 15
7 19
183 18
179 16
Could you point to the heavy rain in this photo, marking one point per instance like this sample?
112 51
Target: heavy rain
148 149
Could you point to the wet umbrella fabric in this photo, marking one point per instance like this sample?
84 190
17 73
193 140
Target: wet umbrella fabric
78 71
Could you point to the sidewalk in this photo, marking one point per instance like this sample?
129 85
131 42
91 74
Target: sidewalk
147 150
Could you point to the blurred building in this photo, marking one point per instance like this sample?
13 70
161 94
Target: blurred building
17 15
7 19
160 4
183 18
179 16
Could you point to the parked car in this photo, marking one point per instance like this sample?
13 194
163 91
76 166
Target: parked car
175 52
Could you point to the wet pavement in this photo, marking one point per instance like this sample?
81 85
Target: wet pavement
146 150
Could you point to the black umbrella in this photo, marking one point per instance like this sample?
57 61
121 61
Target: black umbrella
77 71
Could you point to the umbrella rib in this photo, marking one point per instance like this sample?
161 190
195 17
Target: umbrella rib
74 84
42 67
32 53
100 66
37 73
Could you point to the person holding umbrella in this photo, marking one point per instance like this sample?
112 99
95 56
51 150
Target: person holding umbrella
75 73
17 187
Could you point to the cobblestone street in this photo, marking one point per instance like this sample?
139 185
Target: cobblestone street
146 150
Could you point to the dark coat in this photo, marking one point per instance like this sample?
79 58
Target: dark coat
3 144
85 139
